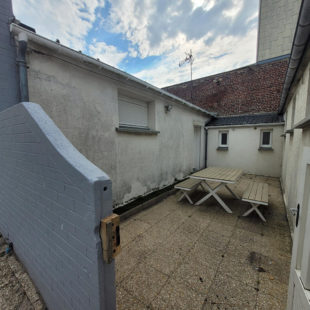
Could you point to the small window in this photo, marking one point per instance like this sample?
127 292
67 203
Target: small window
133 112
223 139
265 139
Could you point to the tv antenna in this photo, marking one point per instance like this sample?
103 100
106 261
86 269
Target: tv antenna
188 59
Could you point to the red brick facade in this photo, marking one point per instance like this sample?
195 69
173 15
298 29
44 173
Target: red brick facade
252 89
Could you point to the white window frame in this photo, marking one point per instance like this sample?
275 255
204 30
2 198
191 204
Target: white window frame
261 138
220 138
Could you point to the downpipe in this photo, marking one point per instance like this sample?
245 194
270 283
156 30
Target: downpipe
22 67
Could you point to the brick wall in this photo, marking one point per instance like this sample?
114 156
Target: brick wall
8 73
252 89
51 202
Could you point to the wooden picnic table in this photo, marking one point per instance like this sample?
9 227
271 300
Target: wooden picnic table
223 176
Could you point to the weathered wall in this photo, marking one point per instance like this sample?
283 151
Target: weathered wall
83 102
277 23
243 150
51 202
295 142
8 72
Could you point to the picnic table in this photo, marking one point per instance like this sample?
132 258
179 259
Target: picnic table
223 176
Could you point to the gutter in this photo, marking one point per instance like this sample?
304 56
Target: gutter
206 143
68 52
300 41
22 67
246 125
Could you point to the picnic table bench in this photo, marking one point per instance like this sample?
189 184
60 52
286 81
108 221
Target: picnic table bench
223 176
256 194
186 187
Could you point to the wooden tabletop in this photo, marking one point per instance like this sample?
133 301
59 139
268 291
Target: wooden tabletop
257 192
227 175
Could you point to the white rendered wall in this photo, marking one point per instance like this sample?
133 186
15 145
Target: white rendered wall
84 105
277 23
294 143
243 144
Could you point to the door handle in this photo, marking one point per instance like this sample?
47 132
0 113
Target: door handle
295 212
297 215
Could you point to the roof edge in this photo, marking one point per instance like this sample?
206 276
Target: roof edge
248 114
229 71
246 125
300 42
68 52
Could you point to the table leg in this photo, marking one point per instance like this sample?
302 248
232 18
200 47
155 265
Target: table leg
255 208
230 190
212 192
184 194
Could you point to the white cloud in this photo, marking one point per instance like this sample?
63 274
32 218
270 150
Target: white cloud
225 53
106 53
157 27
66 20
205 4
234 10
221 33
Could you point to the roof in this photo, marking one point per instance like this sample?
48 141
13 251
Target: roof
298 52
248 119
60 49
252 89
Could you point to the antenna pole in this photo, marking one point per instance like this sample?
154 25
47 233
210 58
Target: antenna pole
189 59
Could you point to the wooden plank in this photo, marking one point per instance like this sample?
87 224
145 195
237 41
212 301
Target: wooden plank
218 173
258 196
232 172
257 193
253 191
224 174
248 191
238 174
110 237
265 193
187 184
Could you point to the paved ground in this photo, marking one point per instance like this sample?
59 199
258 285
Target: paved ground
178 256
16 289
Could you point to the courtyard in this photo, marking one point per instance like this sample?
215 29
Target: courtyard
180 256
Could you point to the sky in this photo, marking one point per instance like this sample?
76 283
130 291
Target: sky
148 38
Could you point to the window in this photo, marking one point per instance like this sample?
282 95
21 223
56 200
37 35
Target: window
223 139
133 112
266 138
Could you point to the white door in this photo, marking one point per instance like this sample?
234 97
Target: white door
299 284
197 149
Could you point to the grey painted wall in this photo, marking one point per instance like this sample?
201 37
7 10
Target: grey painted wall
51 202
9 89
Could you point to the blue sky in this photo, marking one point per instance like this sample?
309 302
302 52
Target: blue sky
149 38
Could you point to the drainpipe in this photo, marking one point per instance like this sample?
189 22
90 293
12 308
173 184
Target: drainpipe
206 148
22 67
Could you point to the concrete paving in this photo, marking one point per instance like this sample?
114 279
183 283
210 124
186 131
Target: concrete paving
17 291
179 256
